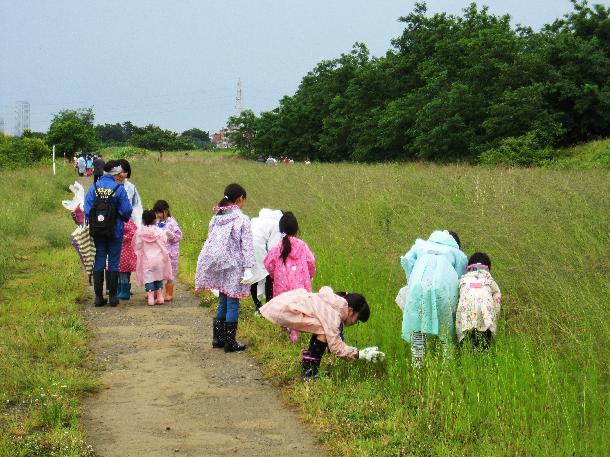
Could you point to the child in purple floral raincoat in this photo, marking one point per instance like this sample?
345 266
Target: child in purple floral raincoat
168 224
225 263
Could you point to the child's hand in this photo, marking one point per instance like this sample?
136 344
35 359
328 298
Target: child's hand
371 354
170 234
247 278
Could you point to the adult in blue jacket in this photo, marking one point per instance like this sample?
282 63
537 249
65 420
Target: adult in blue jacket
433 269
109 249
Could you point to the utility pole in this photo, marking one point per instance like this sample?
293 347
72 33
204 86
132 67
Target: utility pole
238 99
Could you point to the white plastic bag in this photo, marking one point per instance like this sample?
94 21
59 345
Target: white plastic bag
79 197
401 298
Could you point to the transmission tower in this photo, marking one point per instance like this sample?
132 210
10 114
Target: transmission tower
238 99
22 117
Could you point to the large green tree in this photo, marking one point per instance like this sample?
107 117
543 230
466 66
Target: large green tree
452 87
72 131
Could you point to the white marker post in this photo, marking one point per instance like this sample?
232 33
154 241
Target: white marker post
53 160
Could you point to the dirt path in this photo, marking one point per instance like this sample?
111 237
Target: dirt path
165 391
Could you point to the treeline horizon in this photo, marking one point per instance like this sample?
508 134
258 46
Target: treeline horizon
451 88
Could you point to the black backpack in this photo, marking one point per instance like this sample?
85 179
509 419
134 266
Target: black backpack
102 217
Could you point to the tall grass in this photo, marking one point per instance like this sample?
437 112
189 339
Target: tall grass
543 390
42 336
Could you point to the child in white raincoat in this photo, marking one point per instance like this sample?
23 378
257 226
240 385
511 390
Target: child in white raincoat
266 234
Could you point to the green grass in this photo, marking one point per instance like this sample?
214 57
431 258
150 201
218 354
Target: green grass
543 390
42 336
594 154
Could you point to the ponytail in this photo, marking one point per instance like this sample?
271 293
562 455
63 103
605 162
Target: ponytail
232 194
289 226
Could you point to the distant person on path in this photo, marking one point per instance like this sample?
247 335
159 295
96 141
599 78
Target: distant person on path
81 165
132 193
323 314
172 230
127 262
291 264
479 303
107 208
433 269
153 266
98 168
225 264
89 165
265 234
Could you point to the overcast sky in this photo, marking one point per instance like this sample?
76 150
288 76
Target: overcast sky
176 63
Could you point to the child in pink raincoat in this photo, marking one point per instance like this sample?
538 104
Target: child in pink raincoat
322 314
153 266
290 264
225 264
166 222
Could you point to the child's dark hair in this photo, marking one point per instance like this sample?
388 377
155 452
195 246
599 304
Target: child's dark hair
232 193
480 257
160 206
358 303
456 238
148 217
126 167
289 226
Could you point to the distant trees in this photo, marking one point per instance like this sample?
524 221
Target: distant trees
157 139
151 137
468 87
72 130
198 137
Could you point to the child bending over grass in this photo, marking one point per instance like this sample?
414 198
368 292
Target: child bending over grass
433 269
479 303
322 314
290 264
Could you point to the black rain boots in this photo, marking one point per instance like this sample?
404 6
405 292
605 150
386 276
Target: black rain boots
98 287
113 282
218 333
311 358
231 344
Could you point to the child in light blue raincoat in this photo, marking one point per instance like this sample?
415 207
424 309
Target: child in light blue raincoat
433 269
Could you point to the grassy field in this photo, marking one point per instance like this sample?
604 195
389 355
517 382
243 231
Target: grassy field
543 390
42 337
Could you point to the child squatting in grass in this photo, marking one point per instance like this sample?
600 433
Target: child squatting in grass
225 264
322 314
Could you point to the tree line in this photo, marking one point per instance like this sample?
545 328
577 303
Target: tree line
72 131
451 88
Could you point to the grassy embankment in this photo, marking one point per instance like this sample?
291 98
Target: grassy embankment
543 390
42 336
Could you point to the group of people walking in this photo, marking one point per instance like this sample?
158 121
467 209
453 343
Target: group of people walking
446 295
88 164
130 239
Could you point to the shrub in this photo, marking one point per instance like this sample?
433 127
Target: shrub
21 152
